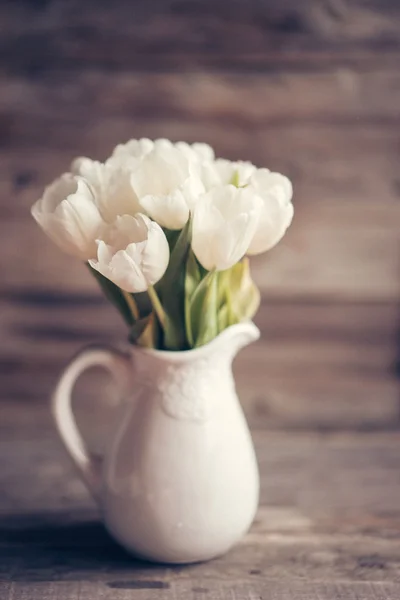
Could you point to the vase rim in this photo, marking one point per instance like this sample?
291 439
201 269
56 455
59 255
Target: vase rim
248 328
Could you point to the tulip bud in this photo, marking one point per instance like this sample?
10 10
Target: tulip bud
110 183
131 151
222 172
224 223
133 253
69 215
167 185
276 192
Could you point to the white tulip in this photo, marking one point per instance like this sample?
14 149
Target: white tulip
197 152
224 223
111 185
239 171
133 253
131 152
167 185
276 192
223 172
135 150
68 214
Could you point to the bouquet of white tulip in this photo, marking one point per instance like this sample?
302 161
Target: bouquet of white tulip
166 229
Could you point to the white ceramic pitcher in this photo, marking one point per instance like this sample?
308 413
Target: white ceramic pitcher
179 482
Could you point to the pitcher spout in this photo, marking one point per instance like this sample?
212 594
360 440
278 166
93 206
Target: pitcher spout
234 338
227 343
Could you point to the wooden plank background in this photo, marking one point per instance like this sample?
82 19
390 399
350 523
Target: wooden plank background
310 88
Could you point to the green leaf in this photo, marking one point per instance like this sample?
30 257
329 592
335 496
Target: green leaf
113 293
145 332
242 294
138 328
203 311
171 290
192 281
143 303
224 317
224 309
224 283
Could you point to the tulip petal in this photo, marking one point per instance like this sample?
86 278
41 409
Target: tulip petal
167 183
111 185
169 211
224 223
68 214
133 253
276 192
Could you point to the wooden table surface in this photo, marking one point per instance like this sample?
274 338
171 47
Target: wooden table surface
311 89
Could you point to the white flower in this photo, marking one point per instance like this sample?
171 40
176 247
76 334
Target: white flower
158 177
222 172
135 150
131 152
111 186
224 223
277 213
133 253
239 171
68 214
167 185
197 152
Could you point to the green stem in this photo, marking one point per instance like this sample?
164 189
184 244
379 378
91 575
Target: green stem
129 299
158 309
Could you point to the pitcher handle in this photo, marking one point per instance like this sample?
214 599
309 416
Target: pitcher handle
119 365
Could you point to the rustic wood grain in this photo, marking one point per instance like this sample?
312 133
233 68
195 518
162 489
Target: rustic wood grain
196 590
335 96
36 36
